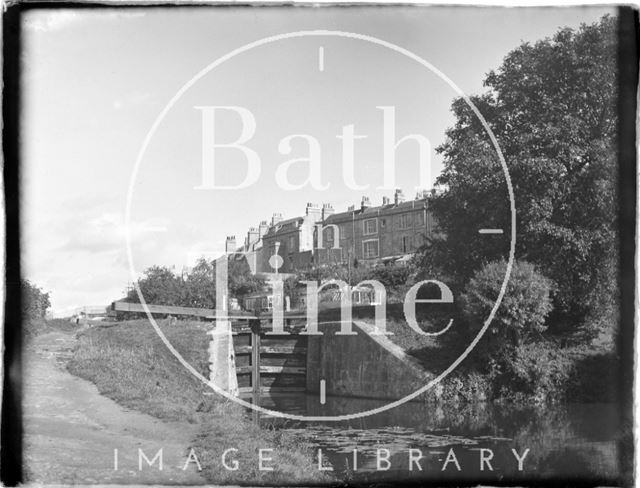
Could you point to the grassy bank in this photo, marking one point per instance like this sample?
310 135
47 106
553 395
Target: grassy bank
128 363
33 327
552 370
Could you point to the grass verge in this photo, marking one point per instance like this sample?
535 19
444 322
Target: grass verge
129 364
33 327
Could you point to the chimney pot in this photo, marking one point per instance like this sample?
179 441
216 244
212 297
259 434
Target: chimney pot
365 203
398 196
327 210
313 209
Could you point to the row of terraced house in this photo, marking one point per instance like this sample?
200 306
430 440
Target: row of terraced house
368 235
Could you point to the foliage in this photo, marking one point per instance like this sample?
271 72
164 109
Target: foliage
196 288
519 363
241 280
536 372
464 387
129 363
552 108
199 285
395 278
35 302
160 286
521 315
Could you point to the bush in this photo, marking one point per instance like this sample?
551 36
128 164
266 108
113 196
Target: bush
35 304
464 387
536 372
521 315
518 363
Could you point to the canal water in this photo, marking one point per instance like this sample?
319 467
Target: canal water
570 442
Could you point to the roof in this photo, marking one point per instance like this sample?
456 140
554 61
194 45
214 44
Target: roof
284 226
375 211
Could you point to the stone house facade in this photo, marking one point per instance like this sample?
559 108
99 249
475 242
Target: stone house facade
368 234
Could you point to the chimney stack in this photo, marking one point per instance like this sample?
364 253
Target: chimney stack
276 219
398 196
312 209
385 201
365 203
252 238
263 228
230 244
327 209
314 212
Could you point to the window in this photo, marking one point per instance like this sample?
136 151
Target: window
406 243
383 222
405 221
292 243
370 249
370 226
421 218
341 229
328 234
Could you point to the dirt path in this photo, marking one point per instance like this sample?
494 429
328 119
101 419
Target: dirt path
71 431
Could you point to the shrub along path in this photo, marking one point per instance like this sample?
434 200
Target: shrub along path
71 431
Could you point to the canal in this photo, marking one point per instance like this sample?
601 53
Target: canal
421 442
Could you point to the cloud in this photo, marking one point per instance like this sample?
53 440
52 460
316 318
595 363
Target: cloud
50 21
56 20
107 233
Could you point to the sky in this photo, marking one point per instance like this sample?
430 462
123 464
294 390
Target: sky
96 80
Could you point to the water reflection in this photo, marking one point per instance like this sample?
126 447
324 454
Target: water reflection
568 442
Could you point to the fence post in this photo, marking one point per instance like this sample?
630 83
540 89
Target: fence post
254 324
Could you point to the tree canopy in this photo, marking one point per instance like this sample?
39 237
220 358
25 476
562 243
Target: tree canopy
552 108
196 288
35 301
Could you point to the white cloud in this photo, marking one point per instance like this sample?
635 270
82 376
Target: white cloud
50 21
56 20
107 233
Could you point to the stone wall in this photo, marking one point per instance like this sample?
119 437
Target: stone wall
363 365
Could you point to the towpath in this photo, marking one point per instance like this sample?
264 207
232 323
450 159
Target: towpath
71 431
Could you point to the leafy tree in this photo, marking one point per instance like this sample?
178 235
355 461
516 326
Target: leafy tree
160 286
35 302
197 288
241 280
200 285
552 108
